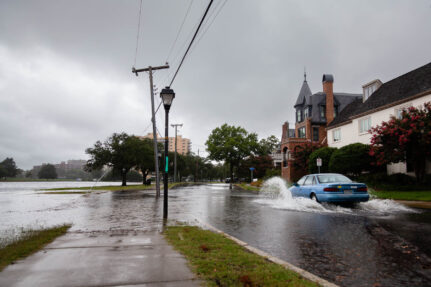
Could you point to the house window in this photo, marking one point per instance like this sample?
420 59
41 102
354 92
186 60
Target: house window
399 111
322 112
364 125
315 134
298 116
301 132
306 113
336 134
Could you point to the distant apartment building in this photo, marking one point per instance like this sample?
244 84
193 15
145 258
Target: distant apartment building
183 144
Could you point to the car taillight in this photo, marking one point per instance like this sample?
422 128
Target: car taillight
363 189
330 189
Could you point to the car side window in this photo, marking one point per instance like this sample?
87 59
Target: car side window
309 180
314 180
301 181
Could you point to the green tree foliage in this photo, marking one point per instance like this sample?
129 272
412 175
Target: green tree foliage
144 151
268 145
121 152
325 154
261 165
47 171
8 168
351 159
301 156
231 144
406 139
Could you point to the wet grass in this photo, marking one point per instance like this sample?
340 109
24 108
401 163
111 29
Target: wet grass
27 242
403 195
246 186
119 187
221 262
108 187
65 192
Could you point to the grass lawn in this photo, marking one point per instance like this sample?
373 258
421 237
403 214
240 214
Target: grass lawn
65 192
109 187
403 195
248 187
119 187
222 262
28 243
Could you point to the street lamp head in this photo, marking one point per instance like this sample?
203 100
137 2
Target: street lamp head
167 95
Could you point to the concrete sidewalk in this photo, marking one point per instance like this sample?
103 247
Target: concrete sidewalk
125 258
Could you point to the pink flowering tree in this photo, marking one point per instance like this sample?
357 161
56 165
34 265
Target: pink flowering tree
406 139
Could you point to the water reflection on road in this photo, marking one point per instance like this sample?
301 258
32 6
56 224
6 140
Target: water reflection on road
351 247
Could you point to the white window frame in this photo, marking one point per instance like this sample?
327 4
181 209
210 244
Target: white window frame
400 109
334 133
363 129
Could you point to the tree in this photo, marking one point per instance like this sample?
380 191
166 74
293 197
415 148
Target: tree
261 165
8 167
268 145
47 171
351 159
407 139
144 151
325 154
301 156
231 144
120 151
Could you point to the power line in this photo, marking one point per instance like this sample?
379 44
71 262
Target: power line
212 21
179 31
137 35
191 43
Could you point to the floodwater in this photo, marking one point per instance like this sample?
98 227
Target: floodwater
378 243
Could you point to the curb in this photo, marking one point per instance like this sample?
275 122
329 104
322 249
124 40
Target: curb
285 264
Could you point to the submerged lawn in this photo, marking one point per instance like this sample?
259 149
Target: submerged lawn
403 195
108 187
28 243
222 262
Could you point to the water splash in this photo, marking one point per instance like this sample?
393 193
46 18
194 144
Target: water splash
275 193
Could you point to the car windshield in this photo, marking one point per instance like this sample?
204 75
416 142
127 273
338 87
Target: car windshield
330 178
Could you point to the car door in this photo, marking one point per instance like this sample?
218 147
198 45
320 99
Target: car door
296 190
307 187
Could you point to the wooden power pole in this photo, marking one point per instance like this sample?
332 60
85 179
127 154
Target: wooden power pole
153 119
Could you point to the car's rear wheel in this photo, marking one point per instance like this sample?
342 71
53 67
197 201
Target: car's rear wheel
313 197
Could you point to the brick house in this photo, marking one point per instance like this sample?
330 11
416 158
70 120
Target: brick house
313 113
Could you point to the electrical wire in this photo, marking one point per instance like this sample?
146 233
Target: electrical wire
179 31
191 43
212 21
137 35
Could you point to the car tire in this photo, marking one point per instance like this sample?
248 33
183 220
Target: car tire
313 197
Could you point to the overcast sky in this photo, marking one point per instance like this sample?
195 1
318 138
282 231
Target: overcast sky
65 66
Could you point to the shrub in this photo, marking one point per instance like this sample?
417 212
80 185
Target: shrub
325 154
352 159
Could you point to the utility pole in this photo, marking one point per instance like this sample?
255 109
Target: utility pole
153 119
175 158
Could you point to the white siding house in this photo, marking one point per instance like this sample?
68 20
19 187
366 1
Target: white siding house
379 103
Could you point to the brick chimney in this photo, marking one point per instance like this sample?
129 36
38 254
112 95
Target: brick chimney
285 131
327 83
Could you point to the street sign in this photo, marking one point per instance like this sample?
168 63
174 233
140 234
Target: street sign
251 168
319 161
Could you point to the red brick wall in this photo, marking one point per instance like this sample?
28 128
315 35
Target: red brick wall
328 90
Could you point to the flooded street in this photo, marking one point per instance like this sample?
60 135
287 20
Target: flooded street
378 243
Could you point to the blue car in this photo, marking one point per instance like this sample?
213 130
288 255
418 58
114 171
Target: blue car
330 187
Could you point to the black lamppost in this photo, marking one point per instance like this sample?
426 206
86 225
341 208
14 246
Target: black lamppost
167 95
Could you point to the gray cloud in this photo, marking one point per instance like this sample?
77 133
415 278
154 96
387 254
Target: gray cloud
65 77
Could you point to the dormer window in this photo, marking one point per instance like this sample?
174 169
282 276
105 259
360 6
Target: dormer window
370 88
298 116
322 110
306 113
